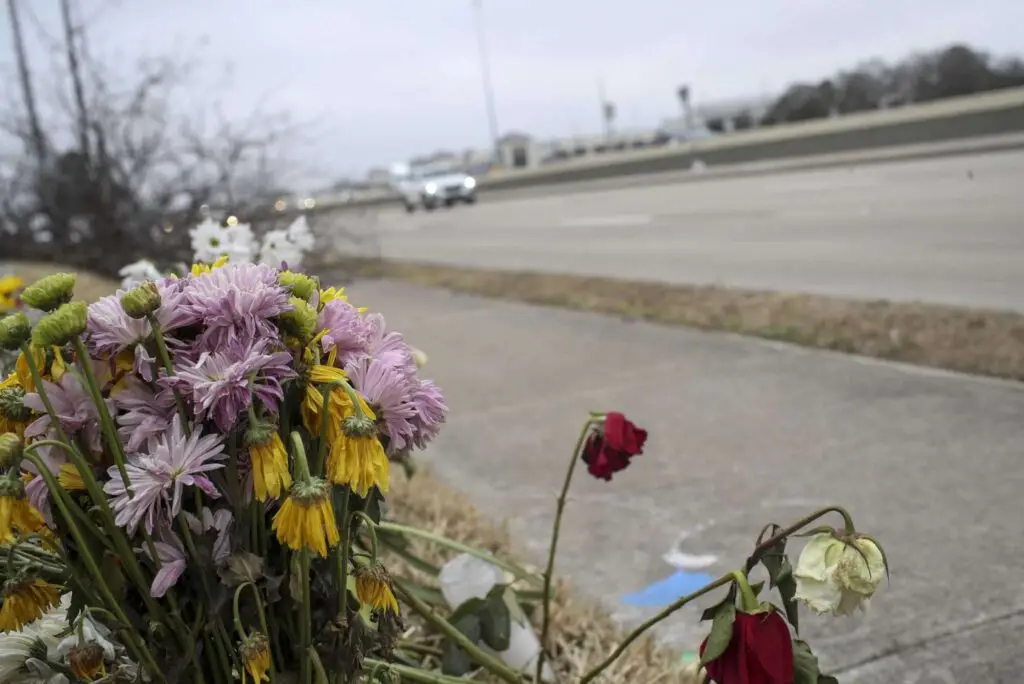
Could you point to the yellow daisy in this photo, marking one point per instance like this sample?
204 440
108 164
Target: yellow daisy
270 476
255 654
203 269
373 588
70 479
16 514
357 458
25 600
86 661
306 518
9 286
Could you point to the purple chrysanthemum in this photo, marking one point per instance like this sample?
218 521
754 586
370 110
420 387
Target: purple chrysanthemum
173 561
218 383
388 346
157 478
219 522
430 412
144 414
235 303
36 491
389 392
74 407
346 331
111 330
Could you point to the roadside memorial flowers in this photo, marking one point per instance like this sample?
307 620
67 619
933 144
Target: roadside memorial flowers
183 464
193 483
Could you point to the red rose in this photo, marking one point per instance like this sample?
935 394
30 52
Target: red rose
610 448
760 652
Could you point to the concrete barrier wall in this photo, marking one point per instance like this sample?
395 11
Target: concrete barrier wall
987 114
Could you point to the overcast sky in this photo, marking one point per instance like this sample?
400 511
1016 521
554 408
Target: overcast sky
381 80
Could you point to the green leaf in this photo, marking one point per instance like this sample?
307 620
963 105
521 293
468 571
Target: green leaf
454 660
805 664
496 622
511 599
756 587
772 559
710 612
786 584
827 679
721 633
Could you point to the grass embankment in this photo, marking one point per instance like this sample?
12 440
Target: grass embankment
948 337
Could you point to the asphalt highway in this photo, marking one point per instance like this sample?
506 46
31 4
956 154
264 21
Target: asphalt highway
942 230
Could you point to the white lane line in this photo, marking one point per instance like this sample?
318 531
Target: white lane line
607 221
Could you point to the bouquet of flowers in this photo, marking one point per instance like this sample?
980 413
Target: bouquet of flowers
235 243
193 471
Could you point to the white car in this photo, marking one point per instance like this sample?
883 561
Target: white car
433 189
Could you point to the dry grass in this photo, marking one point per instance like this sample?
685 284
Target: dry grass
582 633
959 339
89 287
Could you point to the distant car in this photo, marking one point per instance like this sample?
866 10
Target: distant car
431 190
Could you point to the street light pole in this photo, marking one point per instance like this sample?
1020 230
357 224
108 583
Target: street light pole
485 68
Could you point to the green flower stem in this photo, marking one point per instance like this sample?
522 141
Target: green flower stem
413 674
487 661
405 530
370 525
306 618
37 379
123 549
341 552
236 615
764 546
748 601
325 420
318 667
234 493
106 421
165 359
263 626
549 570
299 458
221 640
135 641
638 632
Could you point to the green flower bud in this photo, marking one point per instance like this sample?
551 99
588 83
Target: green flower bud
12 405
141 301
10 450
300 284
300 322
15 330
46 294
357 426
259 433
60 327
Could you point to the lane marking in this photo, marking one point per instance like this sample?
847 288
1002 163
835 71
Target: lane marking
607 221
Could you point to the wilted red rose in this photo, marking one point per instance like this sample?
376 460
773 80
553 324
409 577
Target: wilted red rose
610 448
760 652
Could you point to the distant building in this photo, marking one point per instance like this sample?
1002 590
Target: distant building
378 177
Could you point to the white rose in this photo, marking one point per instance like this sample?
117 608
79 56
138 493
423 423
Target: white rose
837 577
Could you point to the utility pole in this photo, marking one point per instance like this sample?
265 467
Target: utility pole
76 78
36 131
485 69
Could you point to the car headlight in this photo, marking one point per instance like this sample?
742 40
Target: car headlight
470 182
430 188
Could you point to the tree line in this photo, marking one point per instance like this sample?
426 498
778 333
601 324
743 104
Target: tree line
952 71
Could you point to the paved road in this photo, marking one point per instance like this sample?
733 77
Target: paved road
742 432
946 230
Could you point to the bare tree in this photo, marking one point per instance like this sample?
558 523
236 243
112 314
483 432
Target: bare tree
139 172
